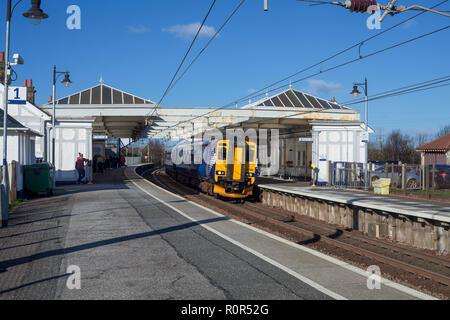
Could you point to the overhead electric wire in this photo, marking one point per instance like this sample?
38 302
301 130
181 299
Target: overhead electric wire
208 43
360 58
379 96
389 10
447 78
172 85
401 91
370 99
339 53
185 56
416 90
321 72
258 92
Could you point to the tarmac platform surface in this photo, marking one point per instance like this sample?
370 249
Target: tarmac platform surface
132 240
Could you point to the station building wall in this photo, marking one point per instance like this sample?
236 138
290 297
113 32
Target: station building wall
31 117
336 143
71 138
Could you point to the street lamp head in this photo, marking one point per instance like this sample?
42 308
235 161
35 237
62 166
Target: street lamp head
66 80
355 91
18 59
35 13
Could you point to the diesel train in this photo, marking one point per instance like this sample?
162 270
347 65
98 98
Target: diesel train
227 169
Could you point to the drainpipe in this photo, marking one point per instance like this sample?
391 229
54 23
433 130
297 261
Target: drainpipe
45 140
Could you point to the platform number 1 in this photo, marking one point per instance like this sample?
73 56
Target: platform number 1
16 90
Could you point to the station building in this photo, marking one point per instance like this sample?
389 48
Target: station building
312 130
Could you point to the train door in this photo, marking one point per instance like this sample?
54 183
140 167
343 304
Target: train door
238 164
221 161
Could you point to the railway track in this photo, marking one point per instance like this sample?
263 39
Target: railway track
415 268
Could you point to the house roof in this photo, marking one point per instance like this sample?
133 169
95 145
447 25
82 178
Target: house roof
295 99
11 122
440 144
102 94
14 125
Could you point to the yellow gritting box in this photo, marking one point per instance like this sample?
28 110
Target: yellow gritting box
381 186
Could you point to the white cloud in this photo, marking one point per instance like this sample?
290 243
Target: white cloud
321 86
409 24
139 29
187 31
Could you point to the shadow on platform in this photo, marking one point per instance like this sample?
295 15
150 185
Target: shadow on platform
63 251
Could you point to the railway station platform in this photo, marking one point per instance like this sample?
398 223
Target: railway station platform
130 239
421 223
418 208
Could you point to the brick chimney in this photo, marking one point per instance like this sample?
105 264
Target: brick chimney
30 91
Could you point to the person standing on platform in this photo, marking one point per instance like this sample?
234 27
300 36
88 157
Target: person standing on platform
100 164
107 162
79 166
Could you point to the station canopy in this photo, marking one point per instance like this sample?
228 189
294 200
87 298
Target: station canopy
287 110
296 99
117 114
102 94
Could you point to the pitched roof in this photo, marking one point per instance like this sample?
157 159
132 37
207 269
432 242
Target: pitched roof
11 122
440 144
295 99
103 94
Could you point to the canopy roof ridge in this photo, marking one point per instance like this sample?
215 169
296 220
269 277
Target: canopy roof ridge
102 94
293 98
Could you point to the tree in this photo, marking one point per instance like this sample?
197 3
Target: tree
443 131
421 139
396 147
156 151
400 147
374 152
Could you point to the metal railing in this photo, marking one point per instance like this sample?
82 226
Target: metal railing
347 175
403 176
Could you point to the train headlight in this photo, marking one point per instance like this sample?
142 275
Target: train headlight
220 173
250 174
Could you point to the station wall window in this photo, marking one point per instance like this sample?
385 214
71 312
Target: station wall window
301 158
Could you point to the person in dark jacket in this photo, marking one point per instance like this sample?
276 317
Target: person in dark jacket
100 164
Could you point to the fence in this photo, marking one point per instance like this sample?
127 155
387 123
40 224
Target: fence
347 174
12 175
292 173
402 176
133 160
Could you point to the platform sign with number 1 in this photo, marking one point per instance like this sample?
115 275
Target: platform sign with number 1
17 95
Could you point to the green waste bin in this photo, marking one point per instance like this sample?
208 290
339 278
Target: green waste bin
38 178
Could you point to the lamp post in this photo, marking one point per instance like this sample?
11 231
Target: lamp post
355 93
66 81
35 14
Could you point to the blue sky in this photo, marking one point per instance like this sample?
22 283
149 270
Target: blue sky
136 45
